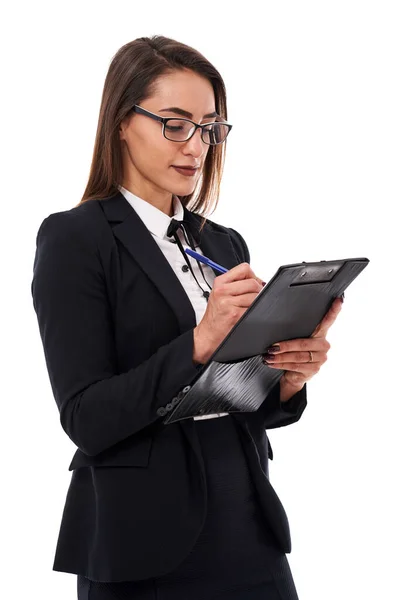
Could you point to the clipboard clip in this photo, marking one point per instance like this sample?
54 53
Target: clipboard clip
316 274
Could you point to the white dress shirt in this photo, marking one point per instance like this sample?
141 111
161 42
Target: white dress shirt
157 222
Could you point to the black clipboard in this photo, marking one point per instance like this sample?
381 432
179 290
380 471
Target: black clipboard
289 306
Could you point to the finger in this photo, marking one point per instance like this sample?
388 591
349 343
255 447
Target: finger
323 327
299 344
298 357
306 369
237 273
238 288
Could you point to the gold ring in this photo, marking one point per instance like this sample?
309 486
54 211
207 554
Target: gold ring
310 353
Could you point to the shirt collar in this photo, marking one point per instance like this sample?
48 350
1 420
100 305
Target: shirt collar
156 221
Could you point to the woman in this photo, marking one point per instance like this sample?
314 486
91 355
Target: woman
184 510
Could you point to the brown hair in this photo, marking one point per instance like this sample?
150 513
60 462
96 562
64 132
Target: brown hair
131 78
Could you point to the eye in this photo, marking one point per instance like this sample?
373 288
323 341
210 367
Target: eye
174 127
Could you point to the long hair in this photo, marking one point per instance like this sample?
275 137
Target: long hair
131 78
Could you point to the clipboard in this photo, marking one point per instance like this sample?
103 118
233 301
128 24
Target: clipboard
289 306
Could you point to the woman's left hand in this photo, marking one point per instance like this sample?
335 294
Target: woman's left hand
302 358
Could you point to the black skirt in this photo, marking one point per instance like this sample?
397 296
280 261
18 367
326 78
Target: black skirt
236 551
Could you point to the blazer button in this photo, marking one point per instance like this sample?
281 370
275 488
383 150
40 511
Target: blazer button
169 406
161 411
175 401
186 389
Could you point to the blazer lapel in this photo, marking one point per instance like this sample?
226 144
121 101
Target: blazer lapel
138 241
214 243
128 227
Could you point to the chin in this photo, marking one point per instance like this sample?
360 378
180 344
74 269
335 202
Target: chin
185 187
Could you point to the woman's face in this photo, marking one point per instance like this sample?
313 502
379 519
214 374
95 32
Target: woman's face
148 157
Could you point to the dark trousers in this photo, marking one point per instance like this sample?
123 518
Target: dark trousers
149 590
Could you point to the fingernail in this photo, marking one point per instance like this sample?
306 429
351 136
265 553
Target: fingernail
263 283
342 297
274 348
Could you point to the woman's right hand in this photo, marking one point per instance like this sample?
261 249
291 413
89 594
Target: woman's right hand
230 297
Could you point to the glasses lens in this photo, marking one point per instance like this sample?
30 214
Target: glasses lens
179 131
215 133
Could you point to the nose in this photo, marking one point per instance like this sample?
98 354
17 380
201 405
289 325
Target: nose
195 144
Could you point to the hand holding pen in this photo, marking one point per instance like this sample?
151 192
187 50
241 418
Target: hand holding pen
231 295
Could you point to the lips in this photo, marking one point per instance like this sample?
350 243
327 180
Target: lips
185 171
186 167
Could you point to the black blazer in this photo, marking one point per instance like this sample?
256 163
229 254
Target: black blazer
117 332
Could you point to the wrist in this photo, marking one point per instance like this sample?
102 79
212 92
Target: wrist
288 390
200 350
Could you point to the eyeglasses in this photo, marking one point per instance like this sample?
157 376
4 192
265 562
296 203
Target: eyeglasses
181 130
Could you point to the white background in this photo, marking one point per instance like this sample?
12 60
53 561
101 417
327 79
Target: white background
312 172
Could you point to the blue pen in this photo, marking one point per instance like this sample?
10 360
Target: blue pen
206 260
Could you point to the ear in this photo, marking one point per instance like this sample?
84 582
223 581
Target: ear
123 125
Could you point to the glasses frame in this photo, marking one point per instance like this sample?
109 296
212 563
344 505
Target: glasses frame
164 120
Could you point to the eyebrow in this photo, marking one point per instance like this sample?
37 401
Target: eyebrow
185 113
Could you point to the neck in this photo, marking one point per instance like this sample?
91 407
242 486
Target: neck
162 202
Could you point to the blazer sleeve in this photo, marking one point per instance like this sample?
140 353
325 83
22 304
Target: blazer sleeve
272 411
98 406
